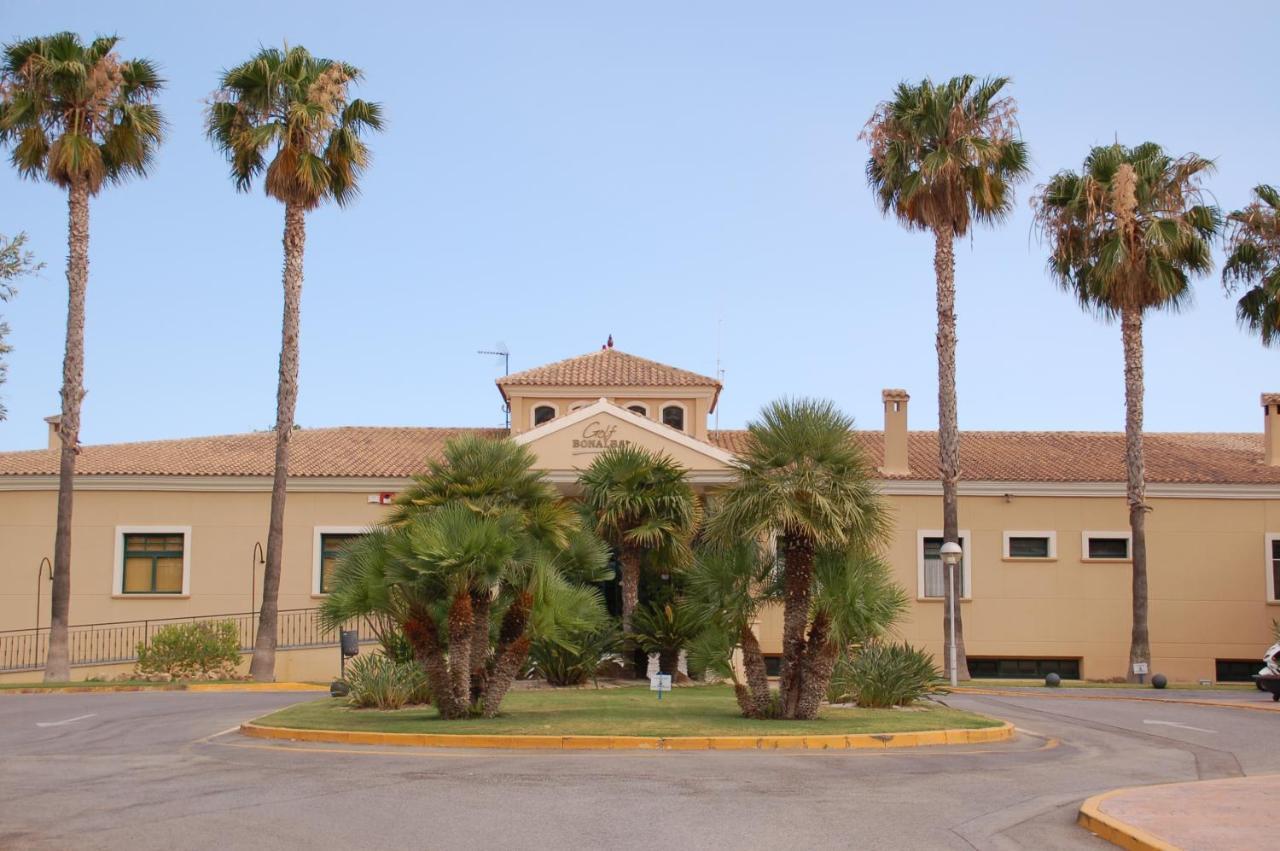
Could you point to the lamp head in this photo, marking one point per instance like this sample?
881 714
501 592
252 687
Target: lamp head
951 553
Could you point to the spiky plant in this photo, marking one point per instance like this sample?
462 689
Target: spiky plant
80 117
1253 262
943 157
286 116
801 477
1127 234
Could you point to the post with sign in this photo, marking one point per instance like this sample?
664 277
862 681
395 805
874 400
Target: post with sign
660 683
1140 669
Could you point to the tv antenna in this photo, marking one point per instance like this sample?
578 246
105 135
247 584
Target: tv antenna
501 351
719 369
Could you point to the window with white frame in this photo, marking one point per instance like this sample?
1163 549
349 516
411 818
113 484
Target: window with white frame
673 415
330 543
543 414
1031 545
931 575
638 408
1273 568
152 561
1106 546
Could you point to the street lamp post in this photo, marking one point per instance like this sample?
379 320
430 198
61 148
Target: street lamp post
951 554
257 559
40 576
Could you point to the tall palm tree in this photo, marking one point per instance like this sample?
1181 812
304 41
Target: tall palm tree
286 115
642 506
80 117
944 156
1253 261
801 477
1126 235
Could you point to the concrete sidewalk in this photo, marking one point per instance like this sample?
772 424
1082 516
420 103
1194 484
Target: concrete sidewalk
1201 816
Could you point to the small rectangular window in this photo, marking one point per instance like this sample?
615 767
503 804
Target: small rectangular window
773 665
1022 669
153 563
1235 670
1275 568
332 545
1029 546
1103 547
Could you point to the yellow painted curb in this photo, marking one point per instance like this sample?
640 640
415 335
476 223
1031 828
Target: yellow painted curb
256 687
1069 694
879 741
1115 831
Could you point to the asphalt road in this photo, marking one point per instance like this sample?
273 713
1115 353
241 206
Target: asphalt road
149 770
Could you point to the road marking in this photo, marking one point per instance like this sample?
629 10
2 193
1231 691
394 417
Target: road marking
1179 726
1031 732
67 721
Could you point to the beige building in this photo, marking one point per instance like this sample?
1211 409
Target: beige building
174 529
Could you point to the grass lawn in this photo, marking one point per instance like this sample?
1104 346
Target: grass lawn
977 683
687 711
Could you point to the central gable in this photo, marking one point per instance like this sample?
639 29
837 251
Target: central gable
569 444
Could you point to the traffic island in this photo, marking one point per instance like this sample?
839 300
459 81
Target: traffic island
1205 814
693 718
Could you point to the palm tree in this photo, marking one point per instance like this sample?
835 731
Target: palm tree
801 478
944 156
80 117
15 262
642 506
1253 260
286 115
471 528
1126 234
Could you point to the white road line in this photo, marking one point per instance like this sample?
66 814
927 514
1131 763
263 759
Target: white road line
67 721
1179 726
1031 732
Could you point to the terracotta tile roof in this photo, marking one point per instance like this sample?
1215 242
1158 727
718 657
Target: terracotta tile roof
396 452
321 452
607 368
1073 456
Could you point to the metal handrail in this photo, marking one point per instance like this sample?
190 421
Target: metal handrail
113 642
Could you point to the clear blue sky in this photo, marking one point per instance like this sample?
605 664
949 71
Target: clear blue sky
552 173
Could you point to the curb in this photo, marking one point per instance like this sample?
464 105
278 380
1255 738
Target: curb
853 741
1228 704
195 687
1114 830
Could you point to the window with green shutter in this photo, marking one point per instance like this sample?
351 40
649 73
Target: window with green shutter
153 563
332 545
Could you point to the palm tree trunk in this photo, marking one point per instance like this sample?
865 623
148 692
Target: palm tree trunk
757 675
481 602
629 559
461 620
798 588
423 635
57 667
263 666
669 661
510 654
1135 467
944 267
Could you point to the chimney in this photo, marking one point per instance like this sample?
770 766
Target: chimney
55 426
1271 429
895 433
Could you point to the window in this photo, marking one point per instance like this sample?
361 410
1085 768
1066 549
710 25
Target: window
1105 546
328 546
1030 545
152 560
331 547
673 415
772 666
1235 670
931 578
543 414
1023 669
1273 568
637 408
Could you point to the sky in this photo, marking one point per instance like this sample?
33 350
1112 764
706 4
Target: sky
685 177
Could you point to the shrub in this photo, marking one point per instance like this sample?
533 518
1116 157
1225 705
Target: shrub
189 650
383 683
573 659
881 675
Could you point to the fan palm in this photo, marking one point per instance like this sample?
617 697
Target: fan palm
642 506
80 117
1253 261
1126 236
285 116
944 156
801 477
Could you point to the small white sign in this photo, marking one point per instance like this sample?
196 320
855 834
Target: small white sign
1139 668
660 682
